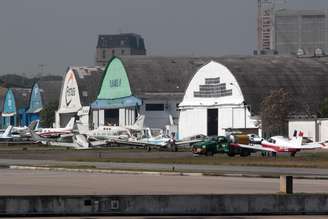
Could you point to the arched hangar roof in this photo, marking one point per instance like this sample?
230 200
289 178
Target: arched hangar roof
305 79
151 76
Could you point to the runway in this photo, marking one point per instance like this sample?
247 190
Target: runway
32 182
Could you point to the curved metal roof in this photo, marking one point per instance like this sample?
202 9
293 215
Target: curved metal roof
305 79
160 76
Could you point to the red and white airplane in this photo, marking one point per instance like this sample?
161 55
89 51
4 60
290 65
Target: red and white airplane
56 132
278 144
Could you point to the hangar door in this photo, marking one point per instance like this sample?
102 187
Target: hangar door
112 117
212 122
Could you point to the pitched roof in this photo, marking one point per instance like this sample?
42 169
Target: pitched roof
125 40
21 97
88 80
50 91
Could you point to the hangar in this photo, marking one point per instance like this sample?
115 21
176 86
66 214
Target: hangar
13 108
79 89
227 92
151 86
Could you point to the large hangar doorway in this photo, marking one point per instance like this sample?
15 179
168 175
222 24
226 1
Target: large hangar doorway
212 122
112 117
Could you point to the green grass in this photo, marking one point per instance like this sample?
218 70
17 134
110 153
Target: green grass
307 160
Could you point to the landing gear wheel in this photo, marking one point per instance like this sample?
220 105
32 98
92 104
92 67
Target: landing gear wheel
231 154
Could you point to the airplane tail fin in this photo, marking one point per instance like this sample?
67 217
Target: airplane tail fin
297 138
139 123
70 124
83 129
34 124
7 131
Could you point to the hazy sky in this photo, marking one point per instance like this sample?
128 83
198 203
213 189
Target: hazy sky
59 33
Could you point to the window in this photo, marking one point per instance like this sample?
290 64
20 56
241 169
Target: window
155 107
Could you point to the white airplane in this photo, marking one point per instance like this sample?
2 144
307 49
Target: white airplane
279 144
76 141
17 131
112 132
56 132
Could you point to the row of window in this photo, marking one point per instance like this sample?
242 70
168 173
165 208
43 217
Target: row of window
113 53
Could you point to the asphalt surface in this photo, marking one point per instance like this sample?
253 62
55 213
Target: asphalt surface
35 182
219 169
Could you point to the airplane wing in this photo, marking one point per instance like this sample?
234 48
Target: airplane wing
257 147
314 145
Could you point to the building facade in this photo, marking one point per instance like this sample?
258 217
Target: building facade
300 32
118 45
228 91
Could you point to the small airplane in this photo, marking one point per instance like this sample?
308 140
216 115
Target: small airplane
112 132
24 131
76 141
56 132
279 144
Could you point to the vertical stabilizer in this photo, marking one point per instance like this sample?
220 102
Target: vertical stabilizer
70 124
7 132
139 124
297 138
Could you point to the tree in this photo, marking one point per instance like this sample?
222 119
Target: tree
274 113
47 114
324 109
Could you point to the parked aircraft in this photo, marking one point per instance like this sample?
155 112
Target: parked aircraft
278 144
112 132
24 131
76 141
56 132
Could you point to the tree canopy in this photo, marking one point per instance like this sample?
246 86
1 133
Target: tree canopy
274 113
47 114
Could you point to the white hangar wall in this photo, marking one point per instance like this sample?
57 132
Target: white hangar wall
213 100
316 130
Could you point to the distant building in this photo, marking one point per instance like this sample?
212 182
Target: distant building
302 32
118 45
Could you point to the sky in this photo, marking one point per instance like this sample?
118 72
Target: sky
50 35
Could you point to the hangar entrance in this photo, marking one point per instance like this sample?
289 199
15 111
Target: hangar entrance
112 117
212 122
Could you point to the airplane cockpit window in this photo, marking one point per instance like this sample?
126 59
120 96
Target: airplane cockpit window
271 140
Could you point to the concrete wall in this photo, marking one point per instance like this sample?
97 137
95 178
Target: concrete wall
164 205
